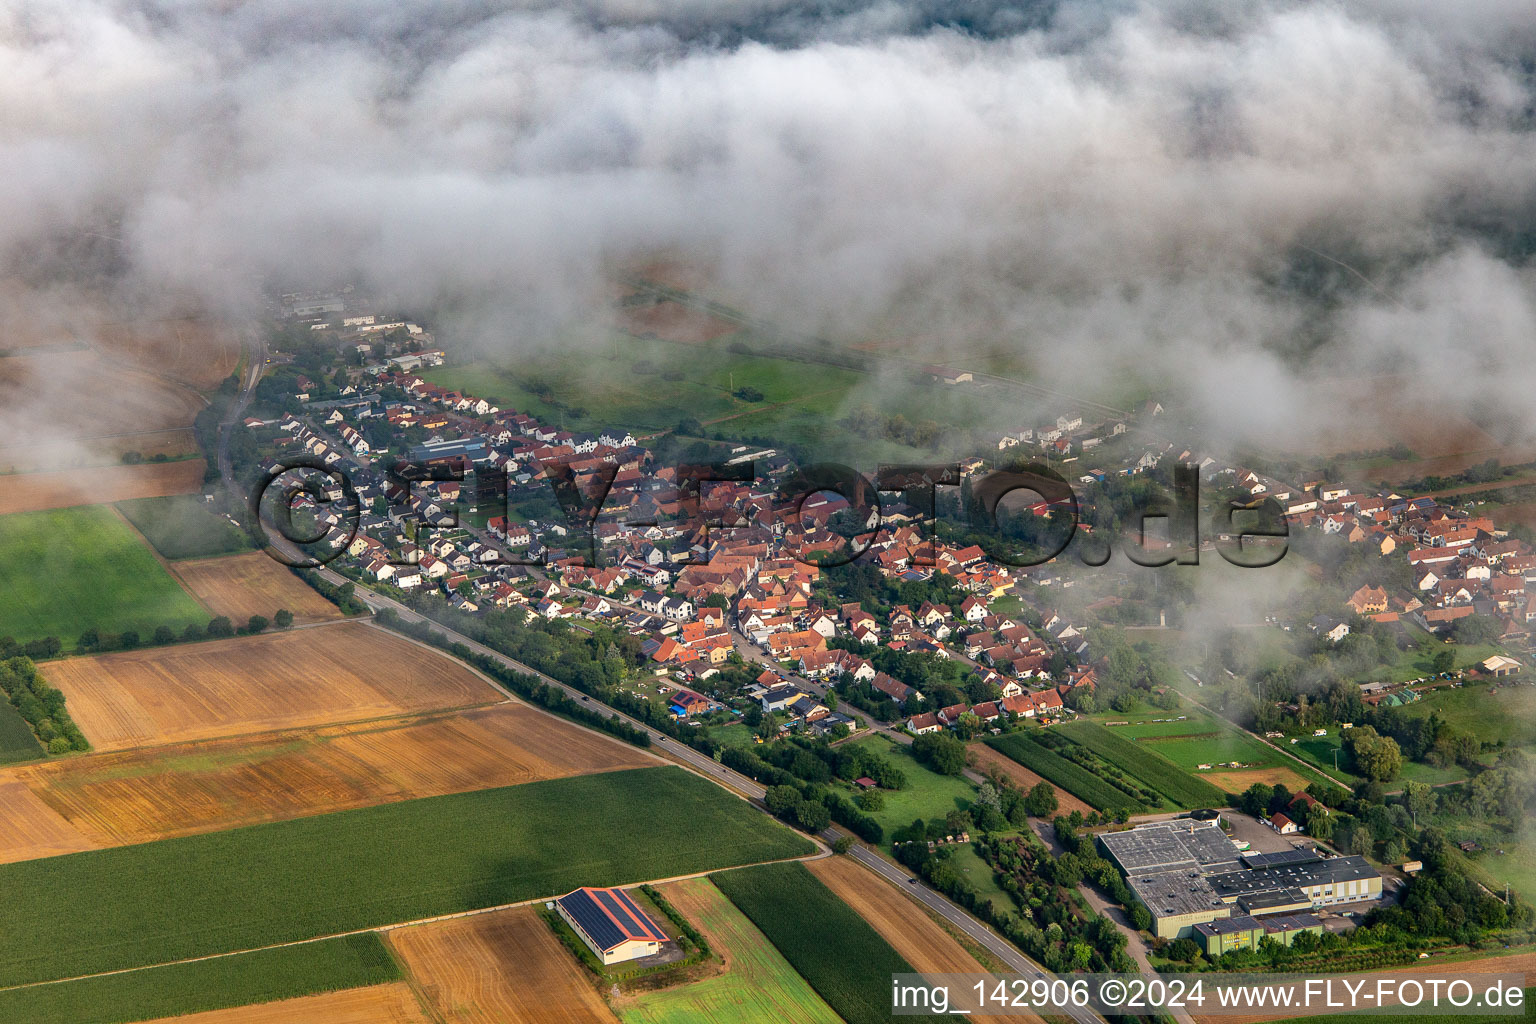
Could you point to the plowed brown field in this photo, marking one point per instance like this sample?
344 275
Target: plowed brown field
900 921
29 828
505 967
153 793
985 759
323 675
378 1004
33 492
253 584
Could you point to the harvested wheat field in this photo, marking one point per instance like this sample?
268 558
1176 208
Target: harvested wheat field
193 350
986 760
150 793
252 584
377 1004
505 967
1237 781
322 675
34 492
29 828
900 920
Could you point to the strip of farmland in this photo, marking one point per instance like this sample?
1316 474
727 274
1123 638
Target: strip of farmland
1073 778
288 881
845 960
269 974
1147 765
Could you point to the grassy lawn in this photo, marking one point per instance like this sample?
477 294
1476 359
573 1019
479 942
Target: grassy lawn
980 875
837 951
263 976
1319 750
66 570
758 985
1509 714
1193 737
734 735
928 794
281 882
184 526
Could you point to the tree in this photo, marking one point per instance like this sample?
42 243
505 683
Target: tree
1141 917
944 754
781 799
1376 757
255 624
220 626
812 816
1443 661
1255 799
164 635
843 844
89 640
872 801
1420 799
1041 802
283 619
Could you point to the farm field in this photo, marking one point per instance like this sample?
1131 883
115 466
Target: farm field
150 793
97 574
183 526
1144 764
758 984
1201 738
240 586
17 741
246 888
915 936
928 794
321 676
351 962
378 1004
37 492
195 351
505 967
1318 750
1023 748
29 828
984 758
804 919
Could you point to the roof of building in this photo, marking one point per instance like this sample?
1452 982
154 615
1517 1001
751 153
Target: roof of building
1229 925
610 917
1167 845
1176 893
1294 876
1291 922
1295 855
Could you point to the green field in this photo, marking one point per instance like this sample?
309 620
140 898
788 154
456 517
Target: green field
17 742
758 985
1508 715
1319 750
1073 778
67 570
184 526
928 794
264 976
281 882
1198 738
980 875
650 385
835 949
1156 771
734 735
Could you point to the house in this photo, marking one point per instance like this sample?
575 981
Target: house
779 698
1283 824
924 723
1330 628
611 924
1498 665
1368 600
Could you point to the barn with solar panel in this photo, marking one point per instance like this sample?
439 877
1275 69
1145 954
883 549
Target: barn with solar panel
611 923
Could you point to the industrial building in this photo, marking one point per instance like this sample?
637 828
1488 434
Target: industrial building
611 924
1189 875
1228 934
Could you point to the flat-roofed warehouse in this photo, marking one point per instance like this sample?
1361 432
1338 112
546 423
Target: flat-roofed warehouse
1179 900
1171 845
1300 886
611 923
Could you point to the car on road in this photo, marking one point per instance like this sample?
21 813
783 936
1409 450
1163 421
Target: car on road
911 881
